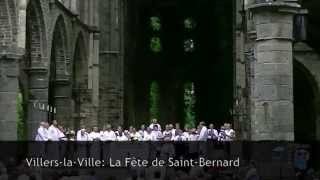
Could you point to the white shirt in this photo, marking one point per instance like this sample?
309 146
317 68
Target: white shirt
230 134
222 135
62 136
93 136
179 138
186 135
82 137
193 137
108 135
42 134
142 133
156 135
148 137
153 124
54 133
136 136
212 133
122 138
203 134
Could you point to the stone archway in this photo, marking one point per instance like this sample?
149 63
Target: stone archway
306 93
81 95
59 81
305 107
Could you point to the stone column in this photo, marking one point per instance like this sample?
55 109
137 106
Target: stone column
272 71
9 89
37 95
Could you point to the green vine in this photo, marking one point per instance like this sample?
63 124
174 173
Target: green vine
154 100
21 126
189 104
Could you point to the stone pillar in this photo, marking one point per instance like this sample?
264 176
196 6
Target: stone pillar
37 95
9 89
272 71
111 59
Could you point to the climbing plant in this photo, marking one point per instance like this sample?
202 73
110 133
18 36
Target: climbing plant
21 126
189 104
154 100
155 40
155 44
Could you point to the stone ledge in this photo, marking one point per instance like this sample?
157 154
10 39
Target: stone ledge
34 70
290 7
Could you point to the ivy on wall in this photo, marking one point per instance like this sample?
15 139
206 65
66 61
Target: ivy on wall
154 100
189 104
21 126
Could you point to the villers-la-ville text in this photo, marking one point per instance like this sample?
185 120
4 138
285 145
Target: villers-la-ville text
129 162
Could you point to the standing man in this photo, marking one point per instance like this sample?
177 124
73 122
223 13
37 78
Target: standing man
108 134
82 135
95 134
42 132
154 122
230 133
203 132
54 132
212 133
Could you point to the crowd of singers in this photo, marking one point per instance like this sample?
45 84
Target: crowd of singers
153 132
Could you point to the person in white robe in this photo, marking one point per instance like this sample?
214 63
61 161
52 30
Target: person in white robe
203 134
222 133
154 122
122 137
108 134
230 133
42 132
135 136
62 136
179 136
156 134
54 132
142 131
95 134
148 135
167 133
212 133
82 135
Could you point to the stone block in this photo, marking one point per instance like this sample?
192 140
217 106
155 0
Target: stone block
270 69
274 30
273 45
38 81
8 84
267 17
8 130
274 57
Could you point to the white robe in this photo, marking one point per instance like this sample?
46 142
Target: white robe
108 136
156 135
179 138
203 134
230 134
122 138
42 134
153 124
212 133
84 137
94 136
54 133
148 137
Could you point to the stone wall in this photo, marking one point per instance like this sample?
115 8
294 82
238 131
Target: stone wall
272 72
